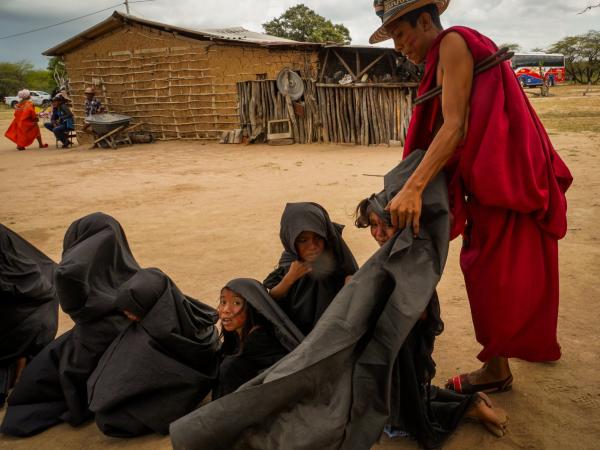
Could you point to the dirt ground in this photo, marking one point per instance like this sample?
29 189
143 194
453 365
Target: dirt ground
208 213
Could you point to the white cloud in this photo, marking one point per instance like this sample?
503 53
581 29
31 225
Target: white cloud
531 24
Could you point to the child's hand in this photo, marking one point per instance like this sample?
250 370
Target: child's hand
297 270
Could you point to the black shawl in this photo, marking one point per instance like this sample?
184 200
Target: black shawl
96 261
336 389
160 368
262 347
310 296
28 303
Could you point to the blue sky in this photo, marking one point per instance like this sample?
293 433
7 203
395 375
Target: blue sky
529 23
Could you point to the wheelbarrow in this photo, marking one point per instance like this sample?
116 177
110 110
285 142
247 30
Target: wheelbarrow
107 126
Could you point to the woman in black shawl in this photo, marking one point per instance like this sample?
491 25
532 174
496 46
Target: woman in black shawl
28 305
314 266
162 366
428 413
53 387
256 334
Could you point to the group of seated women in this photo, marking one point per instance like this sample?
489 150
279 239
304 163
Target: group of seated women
142 354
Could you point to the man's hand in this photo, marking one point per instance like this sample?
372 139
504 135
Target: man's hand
405 209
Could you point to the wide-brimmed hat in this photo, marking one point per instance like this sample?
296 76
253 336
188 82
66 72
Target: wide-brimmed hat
390 10
89 90
62 97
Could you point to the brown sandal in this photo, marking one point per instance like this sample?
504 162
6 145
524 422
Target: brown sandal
460 383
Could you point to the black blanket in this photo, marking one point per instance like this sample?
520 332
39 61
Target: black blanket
159 368
28 303
310 296
262 347
335 390
96 261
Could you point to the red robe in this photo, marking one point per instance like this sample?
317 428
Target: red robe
24 128
506 185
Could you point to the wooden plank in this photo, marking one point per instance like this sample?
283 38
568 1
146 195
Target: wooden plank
366 69
324 65
350 71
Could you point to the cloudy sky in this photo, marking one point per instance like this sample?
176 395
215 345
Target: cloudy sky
530 23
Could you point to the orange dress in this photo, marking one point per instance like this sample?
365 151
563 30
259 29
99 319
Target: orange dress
24 128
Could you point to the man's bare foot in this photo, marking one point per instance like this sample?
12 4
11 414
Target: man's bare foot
493 376
492 417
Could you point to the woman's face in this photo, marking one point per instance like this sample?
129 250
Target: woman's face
309 246
380 230
232 311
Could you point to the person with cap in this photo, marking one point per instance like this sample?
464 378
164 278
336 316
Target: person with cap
24 128
92 105
61 121
506 185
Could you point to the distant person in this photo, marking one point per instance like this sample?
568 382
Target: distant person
92 105
506 185
24 128
61 122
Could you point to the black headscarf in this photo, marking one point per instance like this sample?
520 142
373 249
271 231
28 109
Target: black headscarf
275 336
28 303
160 368
96 261
311 295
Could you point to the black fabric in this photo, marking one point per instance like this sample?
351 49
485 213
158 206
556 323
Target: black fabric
96 261
264 346
160 368
28 303
310 296
335 389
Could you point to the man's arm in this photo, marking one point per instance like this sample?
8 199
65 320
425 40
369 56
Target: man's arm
456 64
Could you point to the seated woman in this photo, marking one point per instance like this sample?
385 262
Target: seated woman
256 334
314 266
52 389
427 412
24 128
61 122
28 305
162 366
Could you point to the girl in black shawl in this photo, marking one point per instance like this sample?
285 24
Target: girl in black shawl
426 412
162 366
96 261
28 305
256 334
314 266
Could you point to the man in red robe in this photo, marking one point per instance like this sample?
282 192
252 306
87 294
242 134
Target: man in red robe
24 128
506 186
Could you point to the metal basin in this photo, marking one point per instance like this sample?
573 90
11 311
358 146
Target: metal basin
106 122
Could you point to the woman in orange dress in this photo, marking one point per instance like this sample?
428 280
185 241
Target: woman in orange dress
24 128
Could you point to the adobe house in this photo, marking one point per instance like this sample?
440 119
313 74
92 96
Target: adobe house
180 83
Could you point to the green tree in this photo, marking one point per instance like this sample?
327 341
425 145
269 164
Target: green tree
512 46
58 71
582 56
301 23
13 76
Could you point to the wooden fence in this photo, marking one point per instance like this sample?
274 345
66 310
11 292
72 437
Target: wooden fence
358 113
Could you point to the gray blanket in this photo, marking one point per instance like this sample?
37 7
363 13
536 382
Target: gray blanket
334 390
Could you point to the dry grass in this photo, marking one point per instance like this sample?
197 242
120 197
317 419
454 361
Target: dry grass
567 109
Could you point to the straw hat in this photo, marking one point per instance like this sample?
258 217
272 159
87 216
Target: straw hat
89 90
390 10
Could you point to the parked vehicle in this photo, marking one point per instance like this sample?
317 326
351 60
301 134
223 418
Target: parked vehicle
535 68
39 98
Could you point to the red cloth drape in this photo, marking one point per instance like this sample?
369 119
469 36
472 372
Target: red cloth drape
506 185
24 129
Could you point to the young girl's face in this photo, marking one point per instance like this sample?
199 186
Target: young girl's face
309 246
380 230
232 311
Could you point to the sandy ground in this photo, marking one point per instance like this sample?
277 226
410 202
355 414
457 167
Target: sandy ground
206 214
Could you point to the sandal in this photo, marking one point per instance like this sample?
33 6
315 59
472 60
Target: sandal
44 146
20 148
460 383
